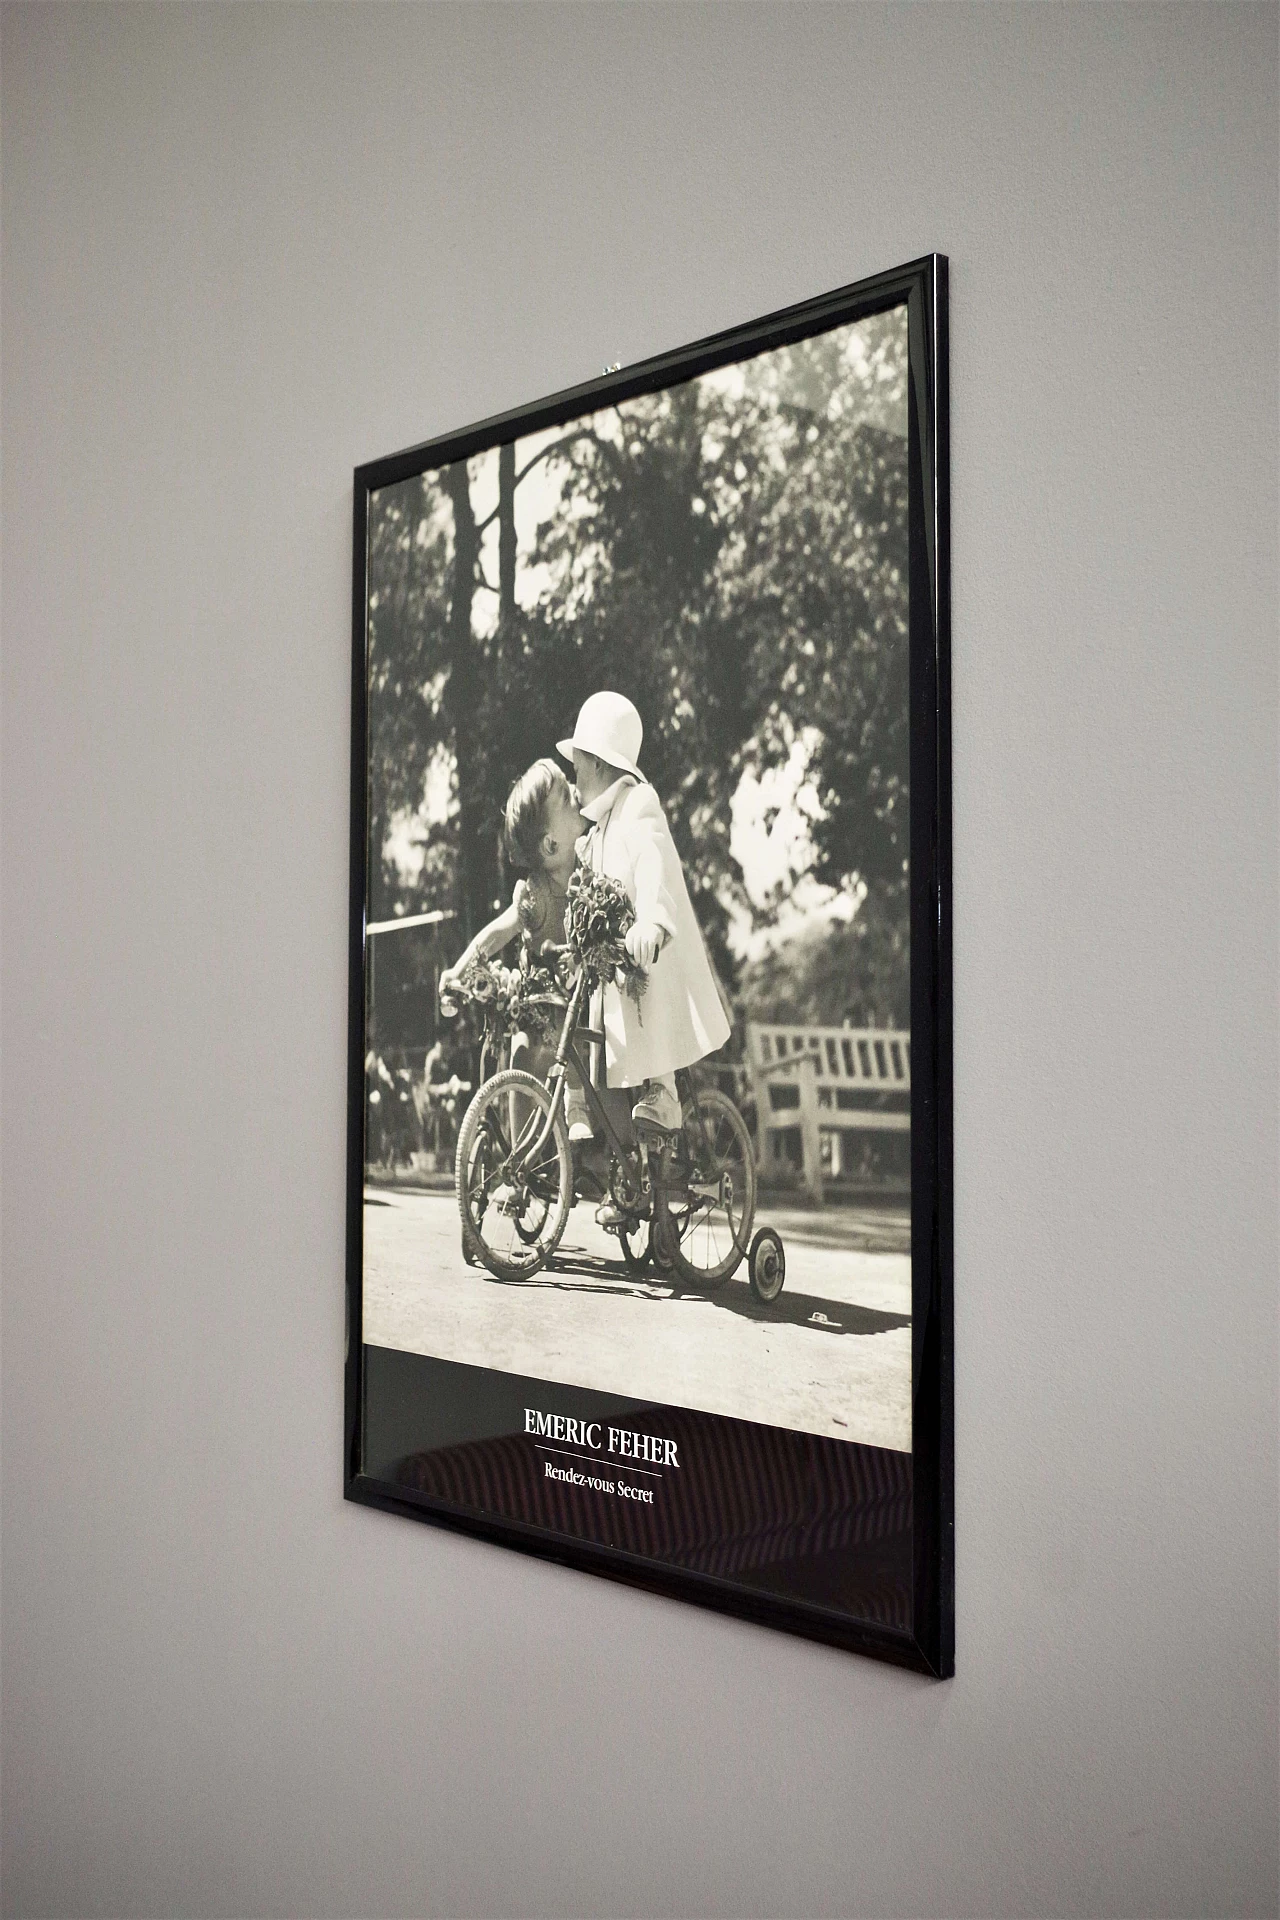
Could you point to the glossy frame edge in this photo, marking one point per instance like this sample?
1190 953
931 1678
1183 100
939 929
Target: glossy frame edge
930 1647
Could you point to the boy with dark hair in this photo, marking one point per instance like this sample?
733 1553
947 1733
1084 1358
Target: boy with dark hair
540 826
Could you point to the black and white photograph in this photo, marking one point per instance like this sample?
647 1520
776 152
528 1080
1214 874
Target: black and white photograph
636 928
659 658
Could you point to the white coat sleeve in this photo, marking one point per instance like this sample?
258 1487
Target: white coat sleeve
657 864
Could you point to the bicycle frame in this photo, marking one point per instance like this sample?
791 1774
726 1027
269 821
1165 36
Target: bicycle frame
566 1056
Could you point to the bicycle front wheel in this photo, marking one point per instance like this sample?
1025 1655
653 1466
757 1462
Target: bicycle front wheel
514 1201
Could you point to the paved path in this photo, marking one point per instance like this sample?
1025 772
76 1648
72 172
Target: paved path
831 1356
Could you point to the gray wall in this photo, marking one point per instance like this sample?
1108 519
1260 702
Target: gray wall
246 248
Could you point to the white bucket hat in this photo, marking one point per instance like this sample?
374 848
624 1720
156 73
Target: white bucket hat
608 726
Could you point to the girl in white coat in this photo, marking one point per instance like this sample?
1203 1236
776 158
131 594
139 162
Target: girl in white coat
682 1017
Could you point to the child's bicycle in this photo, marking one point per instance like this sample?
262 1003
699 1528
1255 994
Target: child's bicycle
686 1201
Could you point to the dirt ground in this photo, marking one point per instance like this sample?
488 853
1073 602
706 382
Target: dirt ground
832 1355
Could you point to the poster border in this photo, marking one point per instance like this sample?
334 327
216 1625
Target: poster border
923 286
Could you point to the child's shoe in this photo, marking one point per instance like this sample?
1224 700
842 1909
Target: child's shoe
610 1216
657 1106
579 1117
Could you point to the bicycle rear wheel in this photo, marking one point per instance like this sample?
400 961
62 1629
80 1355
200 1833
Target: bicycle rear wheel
513 1208
704 1194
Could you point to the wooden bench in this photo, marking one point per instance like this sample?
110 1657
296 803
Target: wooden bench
827 1081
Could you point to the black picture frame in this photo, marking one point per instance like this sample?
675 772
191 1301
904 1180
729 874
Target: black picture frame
384 1394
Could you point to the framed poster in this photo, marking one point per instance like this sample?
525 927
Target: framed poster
649 1250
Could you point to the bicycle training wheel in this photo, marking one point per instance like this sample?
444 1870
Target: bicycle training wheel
514 1208
705 1194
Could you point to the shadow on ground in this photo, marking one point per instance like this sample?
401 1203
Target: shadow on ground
574 1270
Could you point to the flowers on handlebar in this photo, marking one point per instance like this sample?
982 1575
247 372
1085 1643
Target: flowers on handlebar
498 1000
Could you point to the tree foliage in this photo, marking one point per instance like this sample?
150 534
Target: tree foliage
732 554
836 973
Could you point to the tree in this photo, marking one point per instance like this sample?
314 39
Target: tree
821 589
835 972
732 554
410 562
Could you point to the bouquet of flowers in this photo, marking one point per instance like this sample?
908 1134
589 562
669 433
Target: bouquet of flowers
597 918
503 1000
